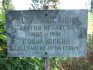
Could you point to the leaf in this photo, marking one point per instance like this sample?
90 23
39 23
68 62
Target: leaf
21 67
11 58
2 61
2 69
2 55
4 28
64 59
3 37
53 69
1 51
91 66
2 16
85 67
8 66
38 62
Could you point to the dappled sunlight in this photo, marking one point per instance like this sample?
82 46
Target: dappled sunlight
63 4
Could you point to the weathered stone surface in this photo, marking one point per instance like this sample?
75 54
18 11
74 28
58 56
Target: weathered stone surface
46 33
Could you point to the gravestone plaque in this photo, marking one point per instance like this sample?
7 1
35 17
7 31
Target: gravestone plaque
46 33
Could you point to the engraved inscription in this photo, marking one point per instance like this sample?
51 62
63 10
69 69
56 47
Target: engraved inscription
55 33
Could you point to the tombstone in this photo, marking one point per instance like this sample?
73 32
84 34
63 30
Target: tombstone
46 33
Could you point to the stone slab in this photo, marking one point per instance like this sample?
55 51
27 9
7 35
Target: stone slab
46 33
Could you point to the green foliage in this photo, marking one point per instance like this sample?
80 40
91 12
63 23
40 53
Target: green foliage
85 66
89 40
90 17
2 60
7 5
